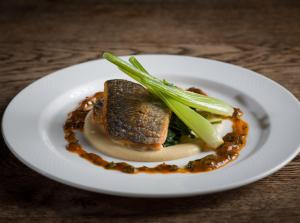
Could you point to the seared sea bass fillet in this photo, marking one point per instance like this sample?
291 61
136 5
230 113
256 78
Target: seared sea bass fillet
132 116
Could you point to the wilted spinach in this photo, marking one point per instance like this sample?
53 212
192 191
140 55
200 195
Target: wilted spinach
176 130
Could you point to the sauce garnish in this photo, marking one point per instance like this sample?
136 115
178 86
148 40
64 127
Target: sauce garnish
227 152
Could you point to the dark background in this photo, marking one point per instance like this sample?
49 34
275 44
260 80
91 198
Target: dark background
39 37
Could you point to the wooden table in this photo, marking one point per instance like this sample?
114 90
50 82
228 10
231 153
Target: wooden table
37 38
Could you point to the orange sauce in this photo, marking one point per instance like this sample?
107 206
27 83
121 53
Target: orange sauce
227 152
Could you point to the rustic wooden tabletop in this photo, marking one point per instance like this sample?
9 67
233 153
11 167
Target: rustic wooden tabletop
37 38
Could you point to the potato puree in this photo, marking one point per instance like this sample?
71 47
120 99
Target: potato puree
95 136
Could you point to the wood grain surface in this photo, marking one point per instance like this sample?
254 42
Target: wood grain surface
39 37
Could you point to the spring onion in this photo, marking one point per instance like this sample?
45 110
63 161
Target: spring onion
190 99
201 126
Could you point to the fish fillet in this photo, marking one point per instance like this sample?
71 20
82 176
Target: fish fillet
131 116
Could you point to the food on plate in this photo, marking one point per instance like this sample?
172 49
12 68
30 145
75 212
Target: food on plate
154 120
127 122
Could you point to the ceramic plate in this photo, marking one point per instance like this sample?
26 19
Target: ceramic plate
32 127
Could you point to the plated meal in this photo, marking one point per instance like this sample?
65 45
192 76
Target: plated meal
191 115
152 120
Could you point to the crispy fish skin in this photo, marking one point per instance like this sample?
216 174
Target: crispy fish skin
132 116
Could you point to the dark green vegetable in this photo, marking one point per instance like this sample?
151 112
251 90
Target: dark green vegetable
172 139
176 130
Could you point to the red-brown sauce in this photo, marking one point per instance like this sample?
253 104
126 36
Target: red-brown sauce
228 151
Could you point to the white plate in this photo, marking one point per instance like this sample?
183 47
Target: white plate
32 126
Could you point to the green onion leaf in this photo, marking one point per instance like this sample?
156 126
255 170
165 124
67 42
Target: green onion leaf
188 98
